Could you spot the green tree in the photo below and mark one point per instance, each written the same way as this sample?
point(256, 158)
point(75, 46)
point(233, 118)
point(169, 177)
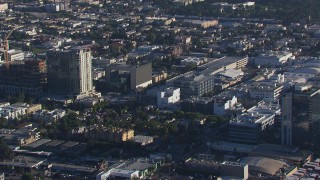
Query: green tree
point(3, 122)
point(27, 176)
point(151, 37)
point(5, 152)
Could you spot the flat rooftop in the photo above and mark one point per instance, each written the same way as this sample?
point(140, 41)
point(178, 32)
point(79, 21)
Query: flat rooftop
point(136, 164)
point(23, 161)
point(38, 143)
point(279, 151)
point(55, 143)
point(69, 144)
point(221, 62)
point(73, 168)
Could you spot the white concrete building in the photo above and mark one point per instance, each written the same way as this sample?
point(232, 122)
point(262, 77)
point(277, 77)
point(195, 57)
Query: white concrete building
point(220, 106)
point(265, 91)
point(48, 116)
point(131, 169)
point(303, 72)
point(143, 140)
point(15, 55)
point(3, 6)
point(193, 61)
point(14, 111)
point(168, 97)
point(273, 58)
point(247, 127)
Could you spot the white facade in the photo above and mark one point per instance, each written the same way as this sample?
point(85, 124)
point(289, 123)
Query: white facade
point(276, 58)
point(143, 140)
point(297, 75)
point(193, 61)
point(85, 60)
point(168, 97)
point(14, 111)
point(70, 72)
point(220, 107)
point(49, 116)
point(15, 55)
point(144, 85)
point(118, 173)
point(266, 92)
point(3, 6)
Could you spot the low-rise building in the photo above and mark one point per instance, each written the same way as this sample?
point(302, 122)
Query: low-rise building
point(14, 111)
point(291, 154)
point(3, 6)
point(273, 58)
point(247, 127)
point(220, 106)
point(33, 108)
point(309, 170)
point(195, 61)
point(203, 24)
point(266, 167)
point(15, 55)
point(132, 169)
point(48, 116)
point(168, 97)
point(265, 91)
point(229, 147)
point(24, 162)
point(89, 101)
point(227, 168)
point(157, 77)
point(143, 140)
point(102, 133)
point(20, 137)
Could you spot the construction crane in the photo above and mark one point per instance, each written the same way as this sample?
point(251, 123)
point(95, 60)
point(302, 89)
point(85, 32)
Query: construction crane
point(6, 47)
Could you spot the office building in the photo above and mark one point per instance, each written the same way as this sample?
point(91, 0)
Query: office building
point(125, 77)
point(248, 127)
point(203, 105)
point(265, 91)
point(306, 114)
point(193, 84)
point(24, 77)
point(202, 81)
point(222, 64)
point(231, 169)
point(273, 58)
point(286, 120)
point(70, 72)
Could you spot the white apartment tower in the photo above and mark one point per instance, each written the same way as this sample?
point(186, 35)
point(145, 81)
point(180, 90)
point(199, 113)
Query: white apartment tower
point(70, 72)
